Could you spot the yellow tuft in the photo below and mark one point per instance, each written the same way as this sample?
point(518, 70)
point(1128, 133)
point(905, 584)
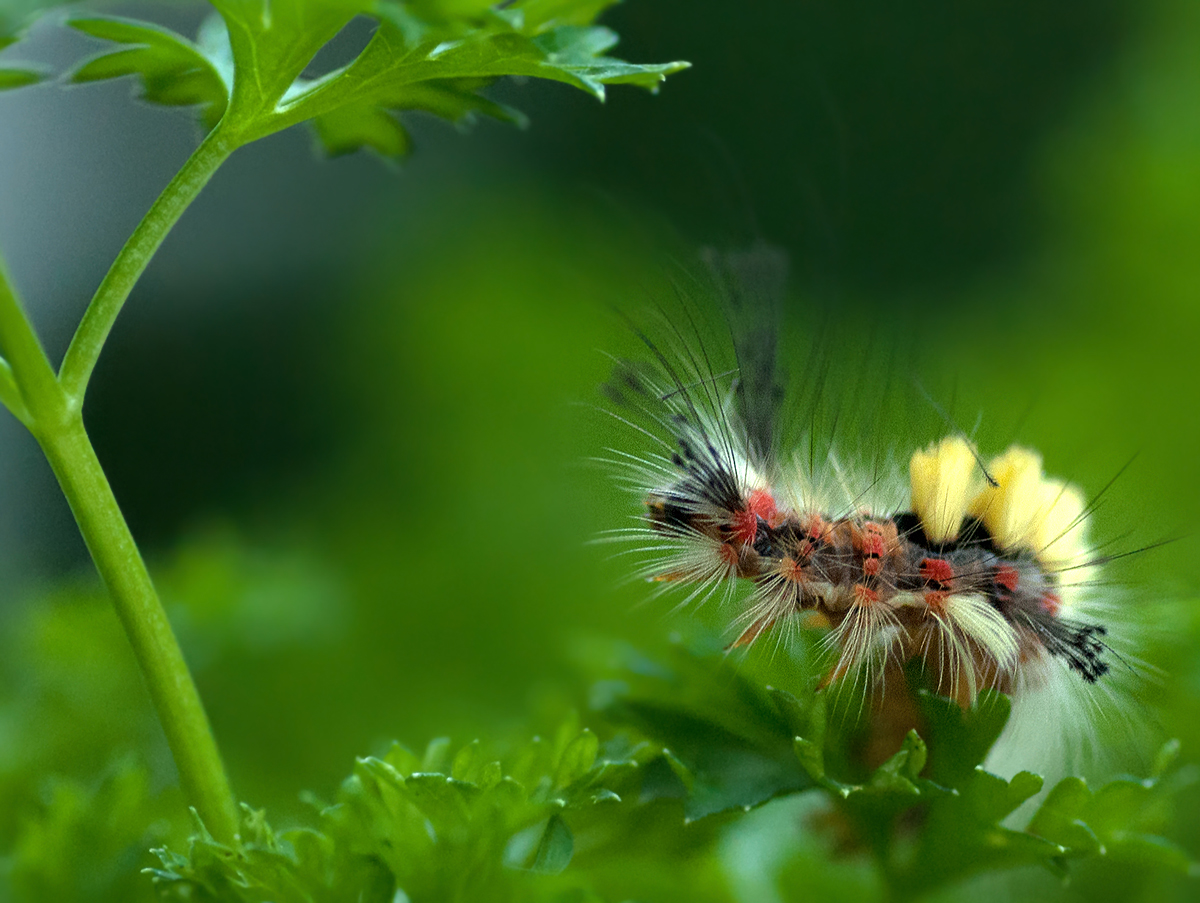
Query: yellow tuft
point(943, 477)
point(1024, 510)
point(1058, 537)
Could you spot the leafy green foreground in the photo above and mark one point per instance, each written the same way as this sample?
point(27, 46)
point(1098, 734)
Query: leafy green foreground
point(678, 755)
point(458, 825)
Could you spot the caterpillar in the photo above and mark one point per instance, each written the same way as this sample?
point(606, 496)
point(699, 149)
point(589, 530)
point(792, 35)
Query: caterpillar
point(978, 570)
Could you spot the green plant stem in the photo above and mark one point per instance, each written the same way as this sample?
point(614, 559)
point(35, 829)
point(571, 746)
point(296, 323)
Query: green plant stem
point(125, 271)
point(51, 406)
point(32, 374)
point(172, 689)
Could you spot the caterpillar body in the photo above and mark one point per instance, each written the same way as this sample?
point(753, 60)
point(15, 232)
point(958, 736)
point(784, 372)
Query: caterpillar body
point(979, 571)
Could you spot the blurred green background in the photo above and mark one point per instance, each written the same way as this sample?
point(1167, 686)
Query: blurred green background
point(348, 412)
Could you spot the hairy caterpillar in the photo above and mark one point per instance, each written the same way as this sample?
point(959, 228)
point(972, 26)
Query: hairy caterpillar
point(976, 569)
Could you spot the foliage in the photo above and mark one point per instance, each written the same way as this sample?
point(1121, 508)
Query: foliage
point(88, 839)
point(247, 67)
point(11, 21)
point(930, 814)
point(710, 746)
point(439, 826)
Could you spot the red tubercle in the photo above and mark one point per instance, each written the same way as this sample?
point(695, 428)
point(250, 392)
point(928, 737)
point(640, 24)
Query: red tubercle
point(1007, 577)
point(816, 532)
point(729, 555)
point(936, 599)
point(864, 595)
point(872, 540)
point(937, 570)
point(1051, 604)
point(791, 569)
point(815, 527)
point(744, 527)
point(761, 504)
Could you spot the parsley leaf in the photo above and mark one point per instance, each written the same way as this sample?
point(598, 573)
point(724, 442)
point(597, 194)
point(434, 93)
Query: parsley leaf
point(13, 16)
point(173, 70)
point(246, 69)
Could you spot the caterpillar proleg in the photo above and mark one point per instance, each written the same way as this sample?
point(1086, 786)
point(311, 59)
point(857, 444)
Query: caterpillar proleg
point(977, 568)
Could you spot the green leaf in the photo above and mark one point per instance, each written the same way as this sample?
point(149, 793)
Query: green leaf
point(535, 16)
point(468, 762)
point(993, 799)
point(401, 758)
point(894, 788)
point(18, 78)
point(790, 710)
point(681, 771)
point(82, 837)
point(15, 15)
point(530, 763)
point(1117, 805)
point(173, 71)
point(357, 126)
point(1166, 757)
point(730, 743)
point(810, 748)
point(1149, 851)
point(962, 834)
point(903, 767)
point(555, 848)
point(274, 40)
point(961, 737)
point(1115, 821)
point(811, 757)
point(447, 803)
point(437, 755)
point(1060, 817)
point(577, 759)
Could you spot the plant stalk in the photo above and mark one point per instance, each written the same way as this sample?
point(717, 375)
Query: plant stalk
point(51, 406)
point(135, 256)
point(176, 700)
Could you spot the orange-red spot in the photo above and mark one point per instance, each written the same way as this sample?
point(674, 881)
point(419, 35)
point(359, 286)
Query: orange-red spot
point(1051, 603)
point(937, 570)
point(872, 566)
point(745, 527)
point(790, 569)
point(872, 541)
point(762, 504)
point(815, 528)
point(864, 595)
point(936, 599)
point(1007, 577)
